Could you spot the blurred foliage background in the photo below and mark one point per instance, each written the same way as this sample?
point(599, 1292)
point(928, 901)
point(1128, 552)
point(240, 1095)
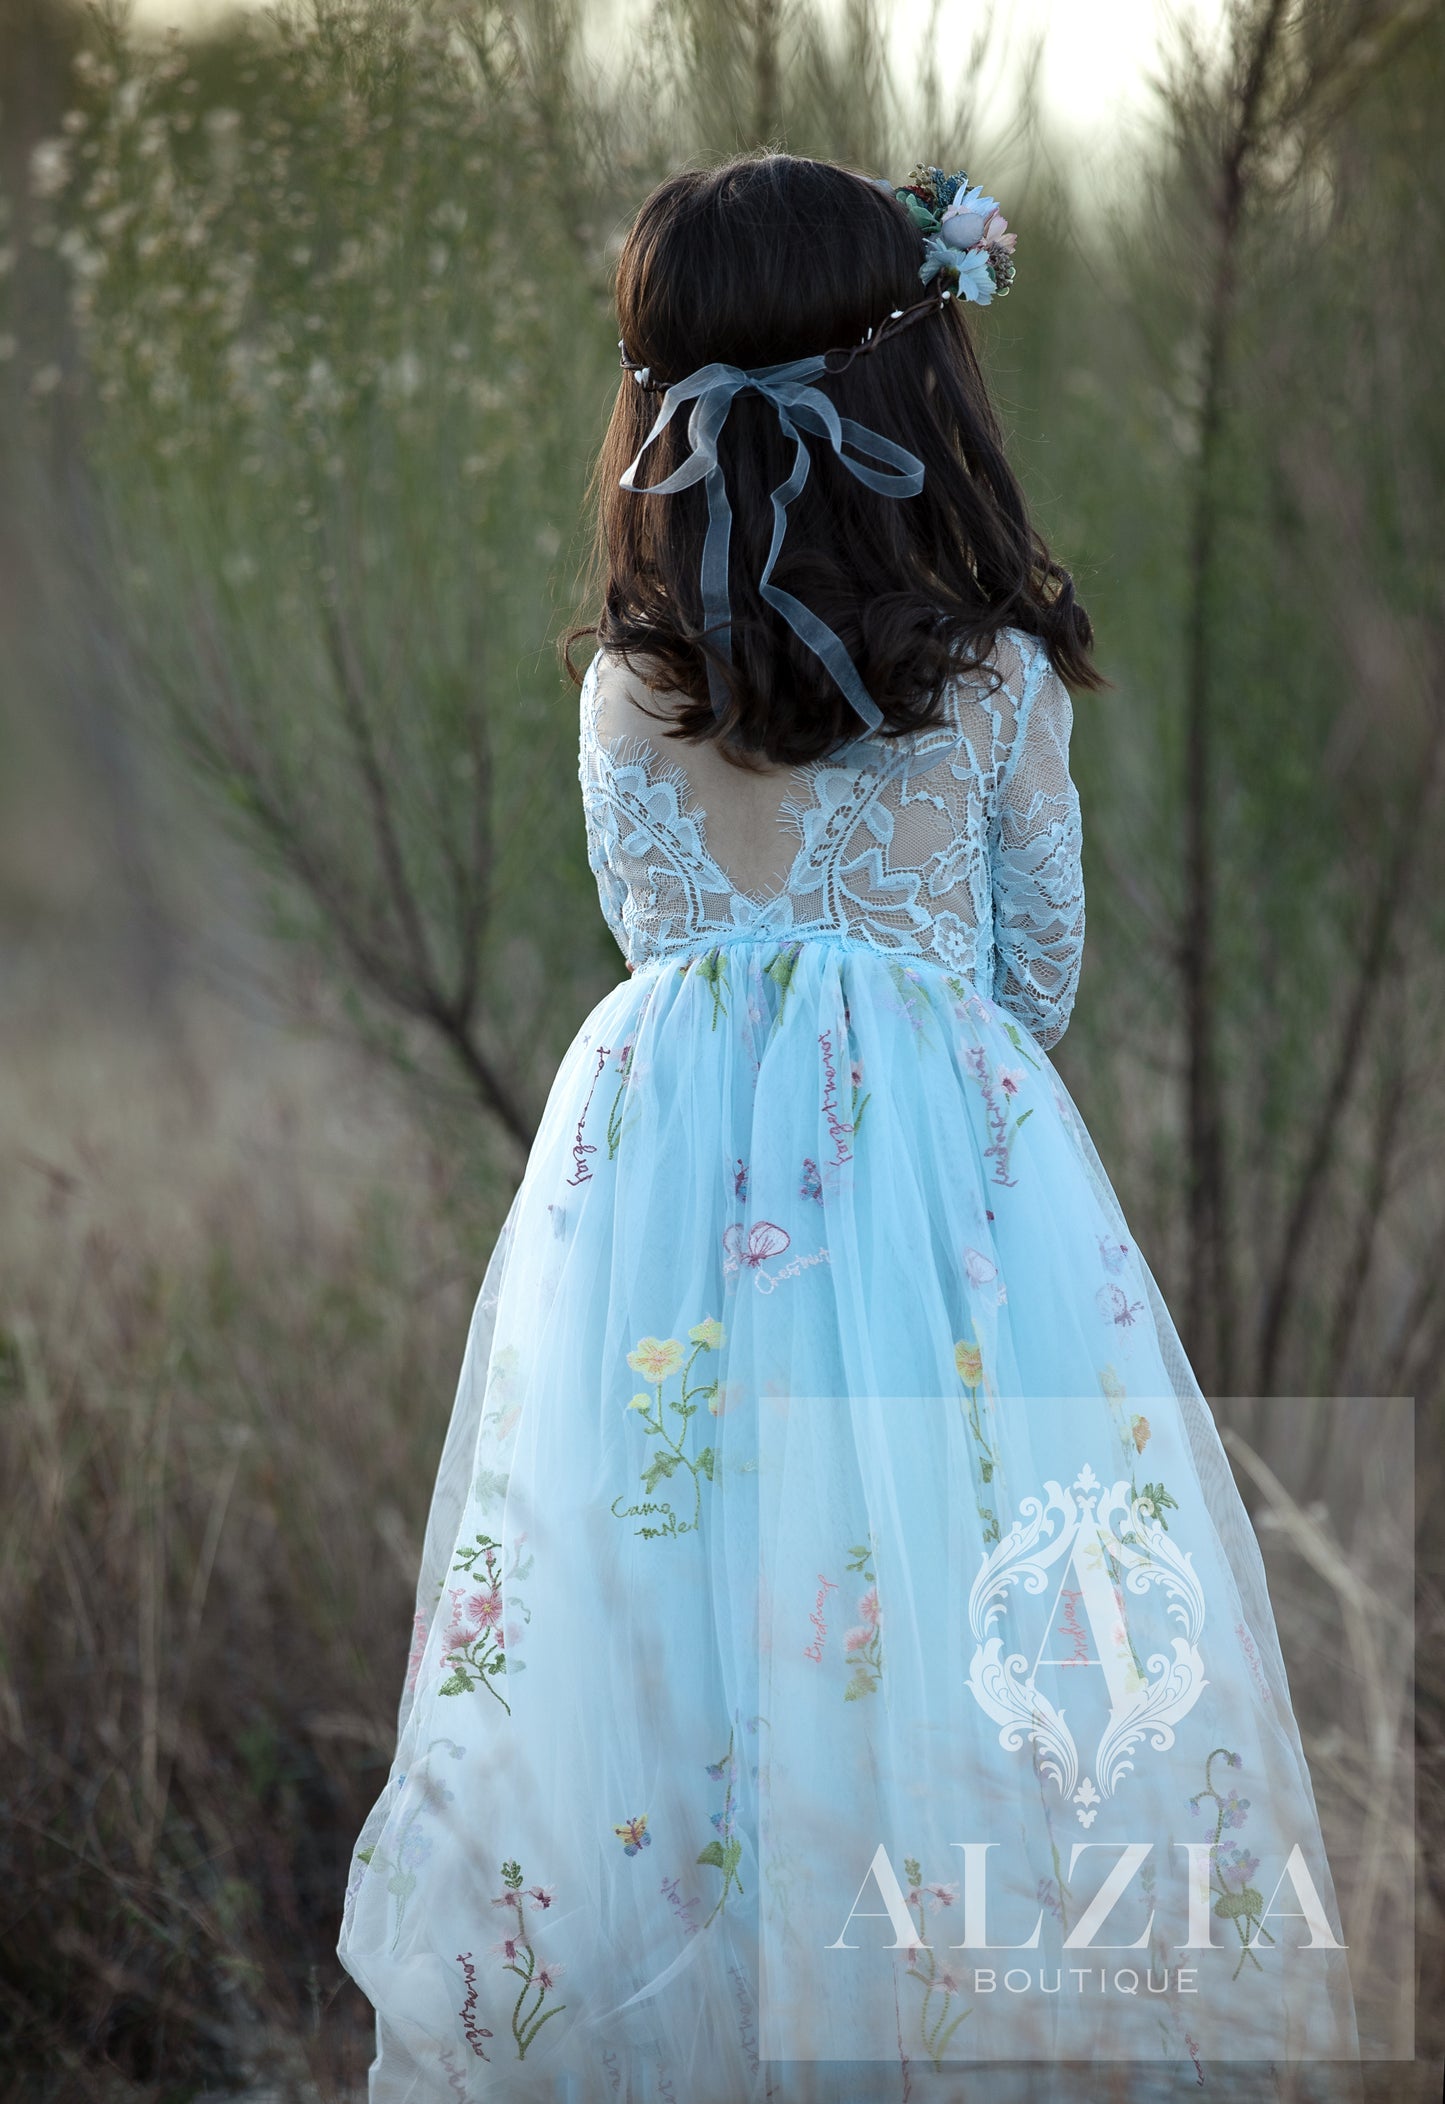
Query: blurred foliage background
point(305, 348)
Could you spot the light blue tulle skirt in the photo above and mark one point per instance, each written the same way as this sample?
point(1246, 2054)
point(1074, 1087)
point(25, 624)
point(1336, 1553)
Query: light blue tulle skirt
point(843, 1668)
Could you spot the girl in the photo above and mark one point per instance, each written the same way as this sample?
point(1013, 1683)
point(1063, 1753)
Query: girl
point(843, 1668)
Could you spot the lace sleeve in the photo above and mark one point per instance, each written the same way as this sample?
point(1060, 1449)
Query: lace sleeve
point(1038, 884)
point(599, 818)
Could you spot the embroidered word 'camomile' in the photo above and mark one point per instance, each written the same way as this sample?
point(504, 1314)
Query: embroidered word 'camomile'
point(965, 240)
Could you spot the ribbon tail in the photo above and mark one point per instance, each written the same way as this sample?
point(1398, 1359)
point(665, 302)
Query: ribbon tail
point(716, 604)
point(805, 624)
point(825, 644)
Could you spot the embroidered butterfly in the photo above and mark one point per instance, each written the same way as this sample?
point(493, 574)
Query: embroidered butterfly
point(1112, 1253)
point(1114, 1302)
point(812, 1183)
point(633, 1835)
point(762, 1240)
point(981, 1271)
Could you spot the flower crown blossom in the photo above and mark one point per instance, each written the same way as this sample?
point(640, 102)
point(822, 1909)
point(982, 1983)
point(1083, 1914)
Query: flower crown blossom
point(965, 236)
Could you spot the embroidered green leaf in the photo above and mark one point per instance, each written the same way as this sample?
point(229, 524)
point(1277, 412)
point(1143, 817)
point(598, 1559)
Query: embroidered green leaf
point(659, 1467)
point(1012, 1032)
point(1236, 1905)
point(1159, 1498)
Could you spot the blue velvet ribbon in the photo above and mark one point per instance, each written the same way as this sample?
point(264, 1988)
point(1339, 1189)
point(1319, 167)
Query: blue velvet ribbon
point(801, 408)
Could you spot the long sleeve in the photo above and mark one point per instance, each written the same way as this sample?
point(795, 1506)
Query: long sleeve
point(1035, 841)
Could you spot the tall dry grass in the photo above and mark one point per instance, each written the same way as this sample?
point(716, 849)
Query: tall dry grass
point(236, 1281)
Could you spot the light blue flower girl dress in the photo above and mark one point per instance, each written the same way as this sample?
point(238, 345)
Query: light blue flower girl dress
point(843, 1668)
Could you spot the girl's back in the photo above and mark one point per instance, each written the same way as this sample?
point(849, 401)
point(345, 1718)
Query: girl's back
point(958, 843)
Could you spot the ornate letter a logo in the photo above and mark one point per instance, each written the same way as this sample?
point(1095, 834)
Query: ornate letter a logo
point(1107, 1540)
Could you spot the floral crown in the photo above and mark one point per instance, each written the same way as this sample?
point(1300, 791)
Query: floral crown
point(968, 253)
point(965, 236)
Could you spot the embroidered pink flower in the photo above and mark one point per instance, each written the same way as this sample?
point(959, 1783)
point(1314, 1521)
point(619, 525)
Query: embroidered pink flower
point(857, 1639)
point(546, 1977)
point(868, 1607)
point(940, 1895)
point(541, 1896)
point(1010, 1080)
point(418, 1648)
point(472, 1619)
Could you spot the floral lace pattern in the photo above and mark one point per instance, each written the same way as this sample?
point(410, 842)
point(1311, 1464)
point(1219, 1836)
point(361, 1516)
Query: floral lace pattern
point(958, 845)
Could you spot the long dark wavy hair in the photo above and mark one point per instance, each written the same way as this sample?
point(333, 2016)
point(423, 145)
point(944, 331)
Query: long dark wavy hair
point(769, 257)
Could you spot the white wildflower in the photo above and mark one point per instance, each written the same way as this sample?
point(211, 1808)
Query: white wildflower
point(406, 375)
point(49, 167)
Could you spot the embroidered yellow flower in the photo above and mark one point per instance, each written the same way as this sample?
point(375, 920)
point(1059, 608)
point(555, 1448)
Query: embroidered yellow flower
point(641, 1401)
point(656, 1357)
point(1111, 1385)
point(968, 1358)
point(709, 1333)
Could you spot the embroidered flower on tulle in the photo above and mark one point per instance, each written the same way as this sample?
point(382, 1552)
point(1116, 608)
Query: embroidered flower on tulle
point(656, 1357)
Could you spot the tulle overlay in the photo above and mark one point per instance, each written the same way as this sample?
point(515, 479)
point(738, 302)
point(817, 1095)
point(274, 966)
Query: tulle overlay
point(835, 1597)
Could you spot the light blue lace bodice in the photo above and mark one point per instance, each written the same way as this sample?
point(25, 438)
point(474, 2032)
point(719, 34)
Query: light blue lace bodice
point(958, 845)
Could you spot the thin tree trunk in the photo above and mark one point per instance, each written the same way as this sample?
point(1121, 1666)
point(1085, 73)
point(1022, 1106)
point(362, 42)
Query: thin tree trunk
point(767, 103)
point(1211, 1304)
point(1374, 961)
